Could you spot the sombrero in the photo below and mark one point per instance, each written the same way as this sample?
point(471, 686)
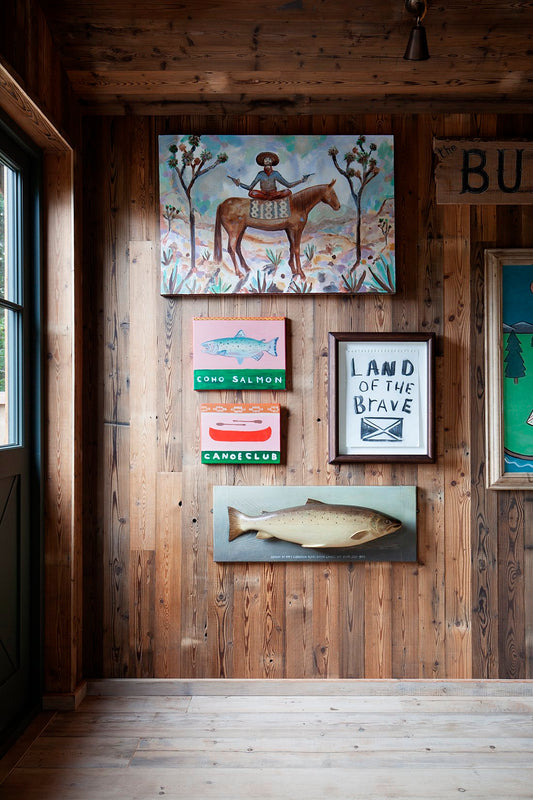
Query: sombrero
point(260, 158)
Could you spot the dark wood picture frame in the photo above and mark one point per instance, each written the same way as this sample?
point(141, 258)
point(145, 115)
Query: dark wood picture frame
point(393, 416)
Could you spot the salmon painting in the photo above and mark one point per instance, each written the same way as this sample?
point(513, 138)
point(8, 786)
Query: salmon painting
point(240, 347)
point(316, 524)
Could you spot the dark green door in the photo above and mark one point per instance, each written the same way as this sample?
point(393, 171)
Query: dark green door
point(19, 439)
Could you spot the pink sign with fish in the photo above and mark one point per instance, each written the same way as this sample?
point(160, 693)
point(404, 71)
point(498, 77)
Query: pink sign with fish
point(247, 433)
point(239, 353)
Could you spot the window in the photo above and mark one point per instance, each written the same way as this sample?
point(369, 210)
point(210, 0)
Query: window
point(11, 308)
point(20, 517)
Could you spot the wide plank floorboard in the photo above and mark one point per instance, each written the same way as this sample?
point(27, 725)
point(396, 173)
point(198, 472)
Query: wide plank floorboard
point(354, 745)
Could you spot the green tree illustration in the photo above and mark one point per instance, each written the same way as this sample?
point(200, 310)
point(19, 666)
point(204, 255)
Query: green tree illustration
point(358, 178)
point(190, 164)
point(514, 363)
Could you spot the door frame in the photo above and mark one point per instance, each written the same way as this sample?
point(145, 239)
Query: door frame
point(23, 457)
point(62, 394)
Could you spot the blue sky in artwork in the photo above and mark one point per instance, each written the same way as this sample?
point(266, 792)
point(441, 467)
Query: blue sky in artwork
point(298, 154)
point(517, 295)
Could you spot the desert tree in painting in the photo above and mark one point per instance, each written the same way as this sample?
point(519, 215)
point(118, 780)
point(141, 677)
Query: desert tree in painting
point(384, 224)
point(364, 173)
point(190, 164)
point(170, 213)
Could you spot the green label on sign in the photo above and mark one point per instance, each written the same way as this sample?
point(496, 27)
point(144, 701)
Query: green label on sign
point(239, 379)
point(240, 456)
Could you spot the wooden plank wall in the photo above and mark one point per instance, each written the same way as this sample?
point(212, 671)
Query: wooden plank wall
point(155, 603)
point(35, 96)
point(26, 47)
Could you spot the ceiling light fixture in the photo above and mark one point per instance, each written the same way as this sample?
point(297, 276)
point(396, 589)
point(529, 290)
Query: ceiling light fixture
point(417, 46)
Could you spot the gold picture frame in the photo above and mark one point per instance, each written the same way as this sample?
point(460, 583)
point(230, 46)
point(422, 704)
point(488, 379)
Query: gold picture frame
point(508, 285)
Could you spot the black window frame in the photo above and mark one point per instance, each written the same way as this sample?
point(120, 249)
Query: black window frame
point(20, 151)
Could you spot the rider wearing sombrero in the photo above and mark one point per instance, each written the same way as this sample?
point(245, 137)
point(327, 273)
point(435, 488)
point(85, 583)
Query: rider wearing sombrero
point(267, 179)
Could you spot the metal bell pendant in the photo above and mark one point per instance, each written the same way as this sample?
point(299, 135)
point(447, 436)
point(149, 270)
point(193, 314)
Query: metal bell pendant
point(417, 46)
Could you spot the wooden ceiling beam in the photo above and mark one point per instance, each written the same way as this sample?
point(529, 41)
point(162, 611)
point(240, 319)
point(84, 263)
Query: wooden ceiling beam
point(297, 106)
point(319, 53)
point(403, 79)
point(348, 55)
point(113, 11)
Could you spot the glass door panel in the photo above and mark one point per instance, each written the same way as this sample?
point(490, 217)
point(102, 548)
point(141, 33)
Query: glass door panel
point(10, 377)
point(19, 430)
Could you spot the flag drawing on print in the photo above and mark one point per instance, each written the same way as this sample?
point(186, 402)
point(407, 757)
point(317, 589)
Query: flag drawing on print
point(386, 429)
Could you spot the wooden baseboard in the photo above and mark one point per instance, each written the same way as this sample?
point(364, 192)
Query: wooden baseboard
point(139, 687)
point(65, 701)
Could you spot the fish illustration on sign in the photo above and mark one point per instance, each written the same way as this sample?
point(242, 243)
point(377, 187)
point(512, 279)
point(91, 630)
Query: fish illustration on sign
point(316, 524)
point(240, 347)
point(252, 358)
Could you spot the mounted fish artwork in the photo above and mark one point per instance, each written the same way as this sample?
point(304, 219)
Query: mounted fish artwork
point(276, 214)
point(239, 353)
point(314, 523)
point(240, 433)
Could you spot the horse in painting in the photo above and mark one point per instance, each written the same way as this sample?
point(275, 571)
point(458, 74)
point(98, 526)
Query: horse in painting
point(233, 215)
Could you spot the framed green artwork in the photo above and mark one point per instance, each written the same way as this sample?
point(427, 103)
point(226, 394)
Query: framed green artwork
point(509, 368)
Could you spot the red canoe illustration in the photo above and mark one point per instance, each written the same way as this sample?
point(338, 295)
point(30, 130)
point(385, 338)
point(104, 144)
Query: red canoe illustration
point(261, 435)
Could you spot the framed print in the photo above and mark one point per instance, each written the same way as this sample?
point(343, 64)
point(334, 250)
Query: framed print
point(314, 523)
point(509, 368)
point(381, 397)
point(239, 353)
point(274, 214)
point(240, 433)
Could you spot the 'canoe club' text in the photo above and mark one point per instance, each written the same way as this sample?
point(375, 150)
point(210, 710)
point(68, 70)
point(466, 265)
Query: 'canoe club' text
point(273, 457)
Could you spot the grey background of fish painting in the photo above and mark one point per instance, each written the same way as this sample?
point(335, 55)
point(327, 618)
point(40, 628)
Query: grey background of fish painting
point(396, 501)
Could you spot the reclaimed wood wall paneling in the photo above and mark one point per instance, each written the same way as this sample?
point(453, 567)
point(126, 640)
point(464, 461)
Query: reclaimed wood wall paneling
point(224, 606)
point(485, 663)
point(441, 617)
point(35, 99)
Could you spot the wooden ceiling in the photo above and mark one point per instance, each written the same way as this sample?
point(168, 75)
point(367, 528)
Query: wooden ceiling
point(300, 56)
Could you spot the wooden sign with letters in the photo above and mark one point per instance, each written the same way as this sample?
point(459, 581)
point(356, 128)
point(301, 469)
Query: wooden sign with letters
point(478, 171)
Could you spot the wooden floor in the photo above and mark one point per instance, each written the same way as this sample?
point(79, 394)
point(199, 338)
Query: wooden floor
point(296, 740)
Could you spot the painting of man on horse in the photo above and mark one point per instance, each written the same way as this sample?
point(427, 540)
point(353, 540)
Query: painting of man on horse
point(226, 232)
point(236, 214)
